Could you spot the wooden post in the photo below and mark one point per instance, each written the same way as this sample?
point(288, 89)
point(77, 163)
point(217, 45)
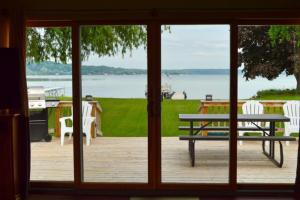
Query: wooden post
point(96, 112)
point(203, 110)
point(93, 129)
point(57, 123)
point(97, 115)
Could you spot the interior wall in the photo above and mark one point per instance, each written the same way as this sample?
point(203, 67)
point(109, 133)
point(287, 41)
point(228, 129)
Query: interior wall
point(4, 32)
point(150, 4)
point(160, 4)
point(12, 35)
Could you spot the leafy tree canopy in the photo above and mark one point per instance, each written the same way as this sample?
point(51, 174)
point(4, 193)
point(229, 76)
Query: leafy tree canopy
point(268, 51)
point(259, 56)
point(291, 35)
point(55, 43)
point(281, 34)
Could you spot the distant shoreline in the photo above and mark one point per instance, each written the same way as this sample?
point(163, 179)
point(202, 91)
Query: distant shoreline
point(52, 68)
point(64, 78)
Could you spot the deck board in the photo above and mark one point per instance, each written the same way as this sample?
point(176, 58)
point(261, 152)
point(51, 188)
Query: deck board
point(124, 159)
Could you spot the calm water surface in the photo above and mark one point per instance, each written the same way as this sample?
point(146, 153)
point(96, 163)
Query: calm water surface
point(134, 86)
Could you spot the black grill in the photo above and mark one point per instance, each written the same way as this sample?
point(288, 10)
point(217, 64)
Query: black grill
point(38, 114)
point(38, 124)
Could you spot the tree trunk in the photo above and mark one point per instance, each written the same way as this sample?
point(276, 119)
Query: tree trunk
point(297, 68)
point(297, 76)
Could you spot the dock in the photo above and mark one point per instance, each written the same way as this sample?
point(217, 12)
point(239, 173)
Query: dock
point(55, 91)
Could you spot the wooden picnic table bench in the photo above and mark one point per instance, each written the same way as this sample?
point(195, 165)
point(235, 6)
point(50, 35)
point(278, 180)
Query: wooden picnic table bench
point(268, 132)
point(222, 128)
point(193, 138)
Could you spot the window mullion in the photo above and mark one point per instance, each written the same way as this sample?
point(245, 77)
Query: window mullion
point(78, 153)
point(154, 84)
point(233, 106)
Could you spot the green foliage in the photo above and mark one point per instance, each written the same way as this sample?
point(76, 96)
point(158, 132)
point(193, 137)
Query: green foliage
point(108, 40)
point(277, 92)
point(291, 36)
point(271, 94)
point(280, 34)
point(260, 57)
point(45, 43)
point(55, 43)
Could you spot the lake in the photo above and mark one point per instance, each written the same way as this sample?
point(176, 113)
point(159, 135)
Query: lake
point(134, 86)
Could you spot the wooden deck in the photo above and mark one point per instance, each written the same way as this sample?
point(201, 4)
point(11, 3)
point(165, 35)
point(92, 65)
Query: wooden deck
point(124, 159)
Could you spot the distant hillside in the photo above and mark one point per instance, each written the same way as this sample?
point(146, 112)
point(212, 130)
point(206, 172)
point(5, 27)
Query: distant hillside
point(196, 71)
point(52, 68)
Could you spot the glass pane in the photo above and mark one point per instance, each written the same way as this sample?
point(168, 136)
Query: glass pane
point(49, 81)
point(114, 103)
point(195, 80)
point(268, 88)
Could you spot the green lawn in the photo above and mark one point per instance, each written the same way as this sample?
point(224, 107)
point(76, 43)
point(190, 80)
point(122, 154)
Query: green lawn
point(169, 115)
point(128, 117)
point(123, 117)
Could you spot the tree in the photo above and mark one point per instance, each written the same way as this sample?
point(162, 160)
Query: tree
point(55, 43)
point(267, 51)
point(291, 35)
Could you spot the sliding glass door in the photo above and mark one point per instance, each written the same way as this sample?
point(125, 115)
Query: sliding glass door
point(49, 81)
point(161, 106)
point(195, 80)
point(114, 103)
point(268, 86)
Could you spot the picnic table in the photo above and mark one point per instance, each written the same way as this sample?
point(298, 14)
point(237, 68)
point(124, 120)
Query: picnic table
point(207, 119)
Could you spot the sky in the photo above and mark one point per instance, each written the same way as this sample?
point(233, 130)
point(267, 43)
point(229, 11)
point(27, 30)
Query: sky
point(185, 47)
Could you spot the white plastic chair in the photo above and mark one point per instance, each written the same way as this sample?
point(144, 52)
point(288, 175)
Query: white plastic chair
point(252, 107)
point(87, 121)
point(291, 110)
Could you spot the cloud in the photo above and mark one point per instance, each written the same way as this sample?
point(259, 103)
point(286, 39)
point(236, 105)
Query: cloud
point(210, 54)
point(170, 40)
point(212, 44)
